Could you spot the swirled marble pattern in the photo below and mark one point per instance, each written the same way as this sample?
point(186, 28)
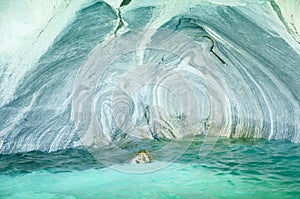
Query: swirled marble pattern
point(120, 71)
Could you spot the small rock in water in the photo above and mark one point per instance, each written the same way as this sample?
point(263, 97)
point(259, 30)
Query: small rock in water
point(142, 156)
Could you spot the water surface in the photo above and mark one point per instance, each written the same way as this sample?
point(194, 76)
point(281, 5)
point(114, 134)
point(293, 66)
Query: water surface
point(233, 169)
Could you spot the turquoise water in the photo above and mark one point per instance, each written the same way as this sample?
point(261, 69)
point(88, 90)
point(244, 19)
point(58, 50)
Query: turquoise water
point(233, 169)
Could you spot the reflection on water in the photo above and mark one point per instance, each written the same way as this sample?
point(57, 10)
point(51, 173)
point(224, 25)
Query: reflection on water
point(234, 168)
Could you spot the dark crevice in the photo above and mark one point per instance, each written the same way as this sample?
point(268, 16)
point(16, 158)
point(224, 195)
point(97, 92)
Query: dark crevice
point(147, 118)
point(172, 134)
point(66, 6)
point(121, 22)
point(169, 128)
point(199, 27)
point(125, 3)
point(212, 50)
point(48, 22)
point(179, 23)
